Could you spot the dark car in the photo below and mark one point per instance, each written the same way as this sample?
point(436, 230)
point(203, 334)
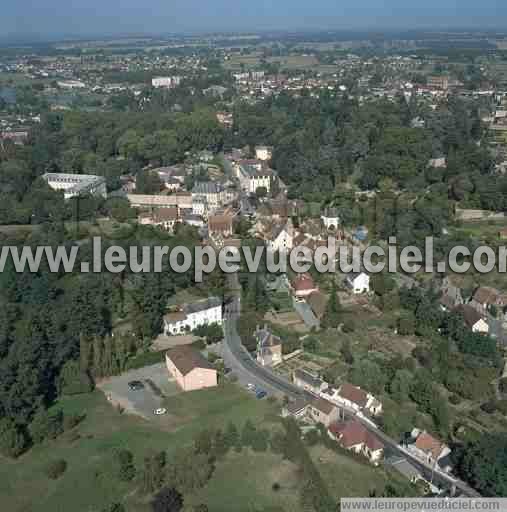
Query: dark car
point(135, 385)
point(260, 394)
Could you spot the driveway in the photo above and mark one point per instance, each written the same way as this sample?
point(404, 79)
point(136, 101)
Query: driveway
point(157, 385)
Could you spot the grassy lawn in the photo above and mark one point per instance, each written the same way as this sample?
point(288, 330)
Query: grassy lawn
point(87, 484)
point(243, 481)
point(348, 478)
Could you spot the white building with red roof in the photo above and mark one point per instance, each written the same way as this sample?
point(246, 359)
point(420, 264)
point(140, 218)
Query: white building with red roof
point(353, 436)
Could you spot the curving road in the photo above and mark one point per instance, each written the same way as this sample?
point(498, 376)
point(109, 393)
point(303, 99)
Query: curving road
point(239, 360)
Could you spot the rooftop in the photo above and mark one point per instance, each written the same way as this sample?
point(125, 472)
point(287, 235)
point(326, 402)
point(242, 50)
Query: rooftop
point(353, 394)
point(186, 359)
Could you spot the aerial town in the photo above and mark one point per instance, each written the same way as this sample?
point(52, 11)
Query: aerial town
point(265, 392)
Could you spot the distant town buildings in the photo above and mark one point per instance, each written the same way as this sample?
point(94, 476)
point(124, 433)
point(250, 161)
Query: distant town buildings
point(166, 82)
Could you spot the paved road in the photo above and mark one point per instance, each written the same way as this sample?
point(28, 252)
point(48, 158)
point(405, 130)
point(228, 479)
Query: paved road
point(237, 358)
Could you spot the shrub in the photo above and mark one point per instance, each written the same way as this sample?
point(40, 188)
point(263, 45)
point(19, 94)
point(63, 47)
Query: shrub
point(12, 439)
point(455, 399)
point(56, 468)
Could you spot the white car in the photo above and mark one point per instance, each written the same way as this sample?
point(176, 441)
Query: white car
point(160, 411)
point(250, 386)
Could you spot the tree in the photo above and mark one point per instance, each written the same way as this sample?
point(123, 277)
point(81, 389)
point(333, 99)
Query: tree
point(331, 318)
point(114, 507)
point(248, 433)
point(153, 473)
point(406, 323)
point(382, 284)
point(73, 380)
point(46, 425)
point(203, 443)
point(12, 439)
point(346, 351)
point(231, 435)
point(167, 499)
point(220, 446)
point(484, 464)
point(124, 461)
point(400, 385)
point(369, 375)
point(56, 468)
point(189, 471)
point(261, 192)
point(260, 441)
point(212, 332)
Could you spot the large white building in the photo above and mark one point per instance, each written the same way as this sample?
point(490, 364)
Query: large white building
point(212, 194)
point(191, 316)
point(76, 184)
point(166, 82)
point(358, 282)
point(252, 177)
point(263, 153)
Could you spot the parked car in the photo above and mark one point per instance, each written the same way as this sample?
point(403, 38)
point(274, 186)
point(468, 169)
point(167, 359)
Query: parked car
point(260, 394)
point(135, 385)
point(160, 411)
point(250, 386)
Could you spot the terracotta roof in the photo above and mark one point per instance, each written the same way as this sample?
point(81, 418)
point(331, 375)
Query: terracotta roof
point(486, 295)
point(324, 406)
point(470, 315)
point(186, 359)
point(174, 317)
point(303, 282)
point(351, 433)
point(220, 222)
point(429, 444)
point(166, 214)
point(353, 394)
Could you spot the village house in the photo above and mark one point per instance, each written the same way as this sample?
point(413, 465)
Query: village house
point(357, 399)
point(358, 282)
point(353, 436)
point(281, 237)
point(451, 295)
point(430, 450)
point(308, 382)
point(263, 153)
point(485, 297)
point(473, 319)
point(191, 316)
point(165, 218)
point(330, 218)
point(221, 223)
point(213, 193)
point(323, 411)
point(303, 285)
point(253, 176)
point(190, 369)
point(296, 409)
point(269, 347)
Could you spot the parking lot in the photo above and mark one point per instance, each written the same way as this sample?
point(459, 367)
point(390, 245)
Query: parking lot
point(157, 384)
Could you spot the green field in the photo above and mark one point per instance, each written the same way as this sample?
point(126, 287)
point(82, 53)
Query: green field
point(244, 482)
point(347, 477)
point(87, 484)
